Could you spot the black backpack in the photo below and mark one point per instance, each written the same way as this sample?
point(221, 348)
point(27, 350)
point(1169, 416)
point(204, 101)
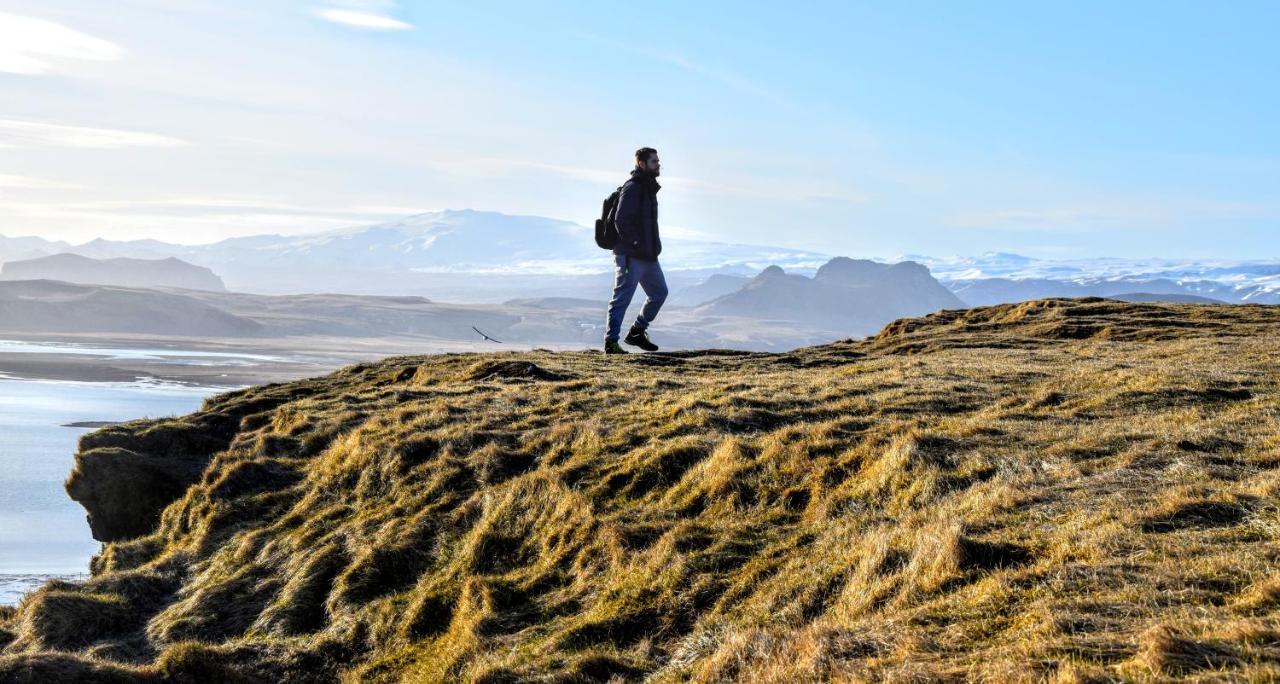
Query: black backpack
point(606, 225)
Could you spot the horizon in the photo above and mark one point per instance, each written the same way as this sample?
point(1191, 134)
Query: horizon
point(876, 131)
point(677, 238)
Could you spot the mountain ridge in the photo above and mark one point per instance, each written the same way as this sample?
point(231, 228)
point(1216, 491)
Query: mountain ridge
point(169, 272)
point(854, 295)
point(554, 261)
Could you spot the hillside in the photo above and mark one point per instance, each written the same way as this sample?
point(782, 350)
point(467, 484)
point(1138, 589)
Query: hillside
point(123, 272)
point(35, 307)
point(50, 306)
point(1065, 490)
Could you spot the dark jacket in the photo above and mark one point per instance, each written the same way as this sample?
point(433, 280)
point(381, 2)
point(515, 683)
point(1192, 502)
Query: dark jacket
point(637, 217)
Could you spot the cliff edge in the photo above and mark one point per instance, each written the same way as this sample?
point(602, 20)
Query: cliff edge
point(1067, 490)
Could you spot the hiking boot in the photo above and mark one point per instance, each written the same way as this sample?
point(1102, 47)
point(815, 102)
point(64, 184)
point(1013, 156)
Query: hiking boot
point(612, 347)
point(640, 338)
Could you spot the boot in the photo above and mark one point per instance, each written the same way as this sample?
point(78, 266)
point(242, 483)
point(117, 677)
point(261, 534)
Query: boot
point(612, 347)
point(640, 338)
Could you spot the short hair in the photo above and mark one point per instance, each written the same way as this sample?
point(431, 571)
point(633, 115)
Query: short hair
point(643, 154)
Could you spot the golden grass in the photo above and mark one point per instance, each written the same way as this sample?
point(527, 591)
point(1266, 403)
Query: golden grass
point(1066, 491)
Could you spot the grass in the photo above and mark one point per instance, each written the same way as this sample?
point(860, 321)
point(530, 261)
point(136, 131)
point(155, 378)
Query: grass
point(1061, 490)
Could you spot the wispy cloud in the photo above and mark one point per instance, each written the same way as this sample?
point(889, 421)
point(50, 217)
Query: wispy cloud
point(374, 15)
point(207, 208)
point(679, 61)
point(29, 45)
point(191, 219)
point(792, 189)
point(502, 167)
point(1091, 217)
point(18, 133)
point(29, 183)
point(789, 190)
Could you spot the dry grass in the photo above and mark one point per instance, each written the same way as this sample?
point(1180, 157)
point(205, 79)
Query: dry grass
point(1065, 491)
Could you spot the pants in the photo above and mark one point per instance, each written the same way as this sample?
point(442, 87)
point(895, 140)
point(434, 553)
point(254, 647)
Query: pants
point(630, 272)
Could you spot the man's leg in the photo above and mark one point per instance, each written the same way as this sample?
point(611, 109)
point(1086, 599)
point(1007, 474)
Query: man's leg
point(624, 287)
point(655, 290)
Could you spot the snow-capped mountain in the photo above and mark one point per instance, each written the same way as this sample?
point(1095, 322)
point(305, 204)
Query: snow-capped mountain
point(472, 255)
point(1253, 281)
point(420, 252)
point(1016, 266)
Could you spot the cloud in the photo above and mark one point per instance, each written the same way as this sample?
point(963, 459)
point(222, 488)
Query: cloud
point(29, 183)
point(31, 46)
point(213, 209)
point(789, 190)
point(373, 15)
point(727, 78)
point(192, 219)
point(1093, 217)
point(504, 167)
point(17, 133)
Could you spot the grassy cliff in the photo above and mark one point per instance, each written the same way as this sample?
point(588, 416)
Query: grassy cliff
point(1063, 490)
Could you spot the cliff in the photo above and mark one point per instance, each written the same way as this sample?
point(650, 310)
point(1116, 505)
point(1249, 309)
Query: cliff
point(1067, 490)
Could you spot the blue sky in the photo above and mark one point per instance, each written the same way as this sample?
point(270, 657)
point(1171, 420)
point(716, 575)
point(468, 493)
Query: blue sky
point(867, 129)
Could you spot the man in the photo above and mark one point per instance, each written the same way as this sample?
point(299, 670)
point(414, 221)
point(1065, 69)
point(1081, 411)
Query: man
point(636, 255)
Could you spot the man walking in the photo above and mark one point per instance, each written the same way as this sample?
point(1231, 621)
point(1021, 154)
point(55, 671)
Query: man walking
point(635, 256)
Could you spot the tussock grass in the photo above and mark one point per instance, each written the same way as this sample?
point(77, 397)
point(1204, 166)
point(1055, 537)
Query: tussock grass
point(1061, 490)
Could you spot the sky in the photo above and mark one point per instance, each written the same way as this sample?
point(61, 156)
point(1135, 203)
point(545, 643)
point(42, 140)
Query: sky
point(1056, 130)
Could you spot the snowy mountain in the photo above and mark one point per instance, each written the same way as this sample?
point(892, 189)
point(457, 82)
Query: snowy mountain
point(1001, 277)
point(427, 252)
point(487, 256)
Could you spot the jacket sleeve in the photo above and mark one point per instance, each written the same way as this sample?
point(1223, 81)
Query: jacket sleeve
point(628, 216)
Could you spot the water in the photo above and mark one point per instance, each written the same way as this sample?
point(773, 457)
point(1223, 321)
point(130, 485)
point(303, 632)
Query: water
point(178, 356)
point(43, 533)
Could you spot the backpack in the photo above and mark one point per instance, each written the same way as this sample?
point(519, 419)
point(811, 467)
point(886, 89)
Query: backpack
point(606, 225)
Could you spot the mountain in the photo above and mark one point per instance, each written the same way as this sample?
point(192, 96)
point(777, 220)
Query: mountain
point(1001, 277)
point(1059, 490)
point(489, 257)
point(42, 306)
point(1019, 267)
point(461, 255)
point(18, 248)
point(101, 248)
point(849, 296)
point(716, 285)
point(122, 271)
point(46, 306)
point(989, 291)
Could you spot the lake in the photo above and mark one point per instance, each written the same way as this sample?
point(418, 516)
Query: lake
point(43, 533)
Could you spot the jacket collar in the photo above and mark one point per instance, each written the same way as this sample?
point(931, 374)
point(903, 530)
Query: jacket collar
point(644, 177)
